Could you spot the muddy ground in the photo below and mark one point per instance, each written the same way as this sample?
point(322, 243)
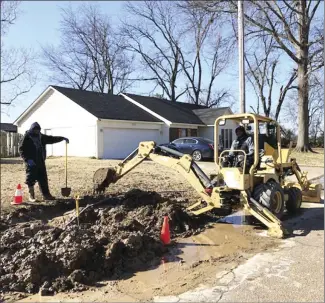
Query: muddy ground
point(41, 252)
point(121, 236)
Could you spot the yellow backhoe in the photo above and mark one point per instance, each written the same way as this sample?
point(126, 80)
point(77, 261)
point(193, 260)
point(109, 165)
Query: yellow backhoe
point(261, 186)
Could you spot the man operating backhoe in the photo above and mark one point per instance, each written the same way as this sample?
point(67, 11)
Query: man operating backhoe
point(244, 143)
point(32, 149)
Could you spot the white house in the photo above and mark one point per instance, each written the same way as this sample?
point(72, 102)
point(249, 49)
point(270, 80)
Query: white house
point(111, 126)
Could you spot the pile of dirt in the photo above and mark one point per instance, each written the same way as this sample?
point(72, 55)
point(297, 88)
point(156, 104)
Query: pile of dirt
point(112, 240)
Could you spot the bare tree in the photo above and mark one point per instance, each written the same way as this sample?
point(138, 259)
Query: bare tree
point(290, 23)
point(154, 36)
point(208, 54)
point(18, 71)
point(9, 12)
point(91, 54)
point(69, 67)
point(315, 105)
point(298, 33)
point(263, 65)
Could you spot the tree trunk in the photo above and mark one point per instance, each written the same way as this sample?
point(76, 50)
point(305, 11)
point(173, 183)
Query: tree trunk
point(303, 139)
point(303, 114)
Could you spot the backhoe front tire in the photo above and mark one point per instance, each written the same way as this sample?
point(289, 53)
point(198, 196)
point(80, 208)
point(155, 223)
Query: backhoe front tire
point(294, 200)
point(271, 196)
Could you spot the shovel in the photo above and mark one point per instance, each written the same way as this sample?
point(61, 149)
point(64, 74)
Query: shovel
point(66, 191)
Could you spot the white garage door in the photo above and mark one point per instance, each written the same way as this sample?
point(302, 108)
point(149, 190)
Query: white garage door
point(119, 143)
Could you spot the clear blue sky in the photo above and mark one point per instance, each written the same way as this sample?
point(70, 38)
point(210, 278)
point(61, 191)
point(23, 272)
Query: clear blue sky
point(38, 24)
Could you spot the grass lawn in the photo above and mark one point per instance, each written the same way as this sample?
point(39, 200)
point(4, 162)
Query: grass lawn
point(310, 159)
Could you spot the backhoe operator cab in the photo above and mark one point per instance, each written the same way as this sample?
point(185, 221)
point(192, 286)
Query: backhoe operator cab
point(238, 169)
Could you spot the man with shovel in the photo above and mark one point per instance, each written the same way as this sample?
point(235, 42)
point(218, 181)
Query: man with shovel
point(32, 149)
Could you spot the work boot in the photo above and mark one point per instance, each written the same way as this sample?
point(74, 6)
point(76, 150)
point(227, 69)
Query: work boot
point(31, 194)
point(48, 197)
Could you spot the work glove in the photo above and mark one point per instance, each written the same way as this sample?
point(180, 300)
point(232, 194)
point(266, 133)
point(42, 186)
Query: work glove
point(30, 163)
point(66, 140)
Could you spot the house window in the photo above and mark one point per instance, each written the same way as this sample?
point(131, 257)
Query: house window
point(182, 132)
point(193, 132)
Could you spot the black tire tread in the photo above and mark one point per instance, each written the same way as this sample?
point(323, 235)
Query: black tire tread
point(263, 194)
point(294, 200)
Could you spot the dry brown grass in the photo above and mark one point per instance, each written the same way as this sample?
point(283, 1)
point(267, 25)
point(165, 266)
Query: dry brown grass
point(147, 176)
point(310, 159)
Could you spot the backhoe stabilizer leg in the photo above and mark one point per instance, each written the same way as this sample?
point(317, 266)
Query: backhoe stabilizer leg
point(201, 210)
point(274, 225)
point(194, 205)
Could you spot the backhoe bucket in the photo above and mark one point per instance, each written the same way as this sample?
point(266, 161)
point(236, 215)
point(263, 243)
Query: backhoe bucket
point(103, 177)
point(312, 193)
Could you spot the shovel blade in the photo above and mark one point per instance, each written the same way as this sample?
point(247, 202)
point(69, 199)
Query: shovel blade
point(66, 191)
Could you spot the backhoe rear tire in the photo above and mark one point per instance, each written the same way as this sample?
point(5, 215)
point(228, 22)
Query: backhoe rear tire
point(294, 200)
point(271, 196)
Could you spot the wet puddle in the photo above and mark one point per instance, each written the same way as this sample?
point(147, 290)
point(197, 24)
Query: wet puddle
point(191, 260)
point(237, 219)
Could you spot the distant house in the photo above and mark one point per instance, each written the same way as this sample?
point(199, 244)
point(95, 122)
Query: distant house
point(8, 127)
point(111, 126)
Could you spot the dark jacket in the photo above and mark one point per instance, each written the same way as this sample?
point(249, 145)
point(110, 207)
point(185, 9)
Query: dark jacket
point(27, 148)
point(244, 143)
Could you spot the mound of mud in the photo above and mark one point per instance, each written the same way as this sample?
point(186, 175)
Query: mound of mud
point(118, 238)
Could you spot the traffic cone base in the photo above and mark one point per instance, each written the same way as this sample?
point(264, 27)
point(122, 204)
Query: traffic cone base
point(165, 232)
point(18, 198)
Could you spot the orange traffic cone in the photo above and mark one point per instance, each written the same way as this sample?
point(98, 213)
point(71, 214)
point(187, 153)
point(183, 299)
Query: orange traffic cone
point(165, 233)
point(18, 199)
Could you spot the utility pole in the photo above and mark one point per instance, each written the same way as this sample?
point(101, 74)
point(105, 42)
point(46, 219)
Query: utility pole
point(242, 101)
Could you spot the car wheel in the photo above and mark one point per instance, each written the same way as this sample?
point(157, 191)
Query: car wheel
point(197, 155)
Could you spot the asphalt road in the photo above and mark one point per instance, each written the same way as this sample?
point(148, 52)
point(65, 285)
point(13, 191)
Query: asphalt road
point(295, 273)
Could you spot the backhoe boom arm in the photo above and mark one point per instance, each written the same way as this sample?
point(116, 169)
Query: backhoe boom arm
point(184, 164)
